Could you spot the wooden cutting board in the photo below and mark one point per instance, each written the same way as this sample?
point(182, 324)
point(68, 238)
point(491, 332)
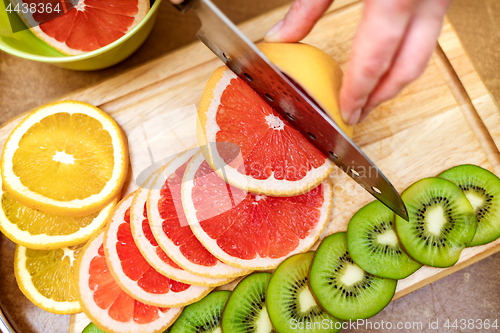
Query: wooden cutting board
point(428, 128)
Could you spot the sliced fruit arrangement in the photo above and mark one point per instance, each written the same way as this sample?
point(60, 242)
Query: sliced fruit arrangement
point(67, 158)
point(46, 278)
point(134, 274)
point(374, 246)
point(442, 222)
point(290, 302)
point(246, 309)
point(342, 288)
point(171, 229)
point(273, 228)
point(87, 26)
point(482, 189)
point(37, 230)
point(153, 253)
point(202, 316)
point(106, 304)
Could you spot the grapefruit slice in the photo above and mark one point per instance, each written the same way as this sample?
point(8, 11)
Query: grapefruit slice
point(89, 25)
point(247, 230)
point(152, 252)
point(171, 230)
point(274, 159)
point(106, 304)
point(134, 274)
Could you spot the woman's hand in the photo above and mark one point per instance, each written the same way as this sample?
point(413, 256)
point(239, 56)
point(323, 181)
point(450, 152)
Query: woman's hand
point(392, 47)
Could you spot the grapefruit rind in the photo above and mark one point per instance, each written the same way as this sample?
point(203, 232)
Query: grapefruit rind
point(50, 242)
point(207, 112)
point(29, 290)
point(170, 299)
point(218, 271)
point(257, 263)
point(316, 71)
point(149, 251)
point(99, 316)
point(76, 207)
point(142, 10)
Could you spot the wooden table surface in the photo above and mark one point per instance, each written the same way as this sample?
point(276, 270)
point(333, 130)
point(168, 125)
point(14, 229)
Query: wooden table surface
point(472, 293)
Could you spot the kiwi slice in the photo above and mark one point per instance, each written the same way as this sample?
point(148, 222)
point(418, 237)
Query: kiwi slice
point(374, 246)
point(441, 222)
point(202, 316)
point(482, 189)
point(290, 303)
point(246, 310)
point(91, 328)
point(342, 288)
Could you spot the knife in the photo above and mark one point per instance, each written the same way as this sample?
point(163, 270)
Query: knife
point(241, 55)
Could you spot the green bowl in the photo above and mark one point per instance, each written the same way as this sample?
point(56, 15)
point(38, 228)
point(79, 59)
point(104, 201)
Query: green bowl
point(25, 44)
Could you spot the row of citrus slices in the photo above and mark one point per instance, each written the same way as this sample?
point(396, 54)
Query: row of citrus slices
point(62, 170)
point(184, 232)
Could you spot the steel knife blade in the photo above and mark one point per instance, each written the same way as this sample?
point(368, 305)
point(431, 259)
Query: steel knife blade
point(241, 55)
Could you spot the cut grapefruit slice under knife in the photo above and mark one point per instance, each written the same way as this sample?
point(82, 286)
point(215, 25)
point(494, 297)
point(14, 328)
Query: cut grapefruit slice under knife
point(106, 304)
point(274, 158)
point(247, 230)
point(152, 252)
point(171, 229)
point(134, 274)
point(88, 26)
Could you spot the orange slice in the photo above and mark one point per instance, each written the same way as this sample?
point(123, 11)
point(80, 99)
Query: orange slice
point(41, 231)
point(171, 229)
point(247, 230)
point(106, 304)
point(46, 278)
point(134, 274)
point(67, 158)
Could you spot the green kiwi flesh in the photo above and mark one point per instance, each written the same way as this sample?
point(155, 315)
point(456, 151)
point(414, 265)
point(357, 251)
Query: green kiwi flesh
point(441, 222)
point(374, 246)
point(290, 303)
point(91, 328)
point(202, 316)
point(342, 288)
point(246, 310)
point(482, 189)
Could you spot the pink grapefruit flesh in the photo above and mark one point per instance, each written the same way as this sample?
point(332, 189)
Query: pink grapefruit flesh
point(89, 25)
point(248, 230)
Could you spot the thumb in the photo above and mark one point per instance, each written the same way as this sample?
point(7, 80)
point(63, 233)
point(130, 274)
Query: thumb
point(299, 21)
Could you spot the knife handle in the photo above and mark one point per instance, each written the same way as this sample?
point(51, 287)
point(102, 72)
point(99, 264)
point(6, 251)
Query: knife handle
point(185, 5)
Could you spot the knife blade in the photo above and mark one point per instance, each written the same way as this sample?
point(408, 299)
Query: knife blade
point(241, 55)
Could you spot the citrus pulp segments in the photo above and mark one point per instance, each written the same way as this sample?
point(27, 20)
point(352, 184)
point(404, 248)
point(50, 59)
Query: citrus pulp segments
point(177, 225)
point(146, 285)
point(43, 241)
point(61, 31)
point(282, 136)
point(153, 253)
point(26, 285)
point(231, 214)
point(95, 282)
point(75, 207)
